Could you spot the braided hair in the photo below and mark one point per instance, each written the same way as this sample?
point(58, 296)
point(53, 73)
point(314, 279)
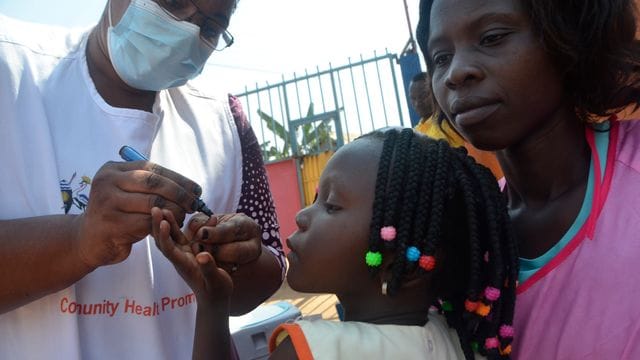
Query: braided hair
point(449, 218)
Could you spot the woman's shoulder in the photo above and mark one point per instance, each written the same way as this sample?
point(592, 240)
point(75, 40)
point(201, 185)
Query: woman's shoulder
point(628, 147)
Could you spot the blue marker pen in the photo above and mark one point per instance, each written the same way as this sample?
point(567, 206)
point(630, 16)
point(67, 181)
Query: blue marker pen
point(128, 153)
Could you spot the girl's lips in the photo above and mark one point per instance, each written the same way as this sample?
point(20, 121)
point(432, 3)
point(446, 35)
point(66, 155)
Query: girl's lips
point(288, 242)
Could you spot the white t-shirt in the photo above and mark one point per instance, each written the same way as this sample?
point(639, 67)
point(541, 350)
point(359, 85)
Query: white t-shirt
point(55, 133)
point(329, 340)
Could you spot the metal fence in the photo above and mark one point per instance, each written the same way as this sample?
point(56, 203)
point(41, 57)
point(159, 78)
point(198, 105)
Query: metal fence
point(320, 111)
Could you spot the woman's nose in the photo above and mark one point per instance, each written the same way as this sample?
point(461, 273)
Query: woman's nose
point(463, 70)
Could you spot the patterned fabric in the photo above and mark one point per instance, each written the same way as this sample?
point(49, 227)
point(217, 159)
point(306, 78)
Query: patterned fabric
point(255, 200)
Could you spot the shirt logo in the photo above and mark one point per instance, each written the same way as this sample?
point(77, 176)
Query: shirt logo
point(75, 196)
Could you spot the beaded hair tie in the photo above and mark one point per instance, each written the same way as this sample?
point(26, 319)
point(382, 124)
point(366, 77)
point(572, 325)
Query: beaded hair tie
point(388, 233)
point(373, 258)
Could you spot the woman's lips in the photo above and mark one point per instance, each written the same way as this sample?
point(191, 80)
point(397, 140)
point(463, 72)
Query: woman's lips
point(475, 115)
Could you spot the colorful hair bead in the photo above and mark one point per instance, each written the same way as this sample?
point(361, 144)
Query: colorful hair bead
point(475, 346)
point(506, 331)
point(446, 306)
point(388, 233)
point(413, 254)
point(427, 262)
point(491, 343)
point(373, 259)
point(486, 256)
point(491, 293)
point(483, 310)
point(471, 306)
point(506, 350)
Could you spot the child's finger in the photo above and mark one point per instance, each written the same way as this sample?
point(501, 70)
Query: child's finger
point(175, 231)
point(216, 279)
point(165, 242)
point(208, 267)
point(156, 217)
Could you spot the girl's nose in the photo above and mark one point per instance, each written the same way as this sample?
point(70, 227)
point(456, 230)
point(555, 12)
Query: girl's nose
point(302, 219)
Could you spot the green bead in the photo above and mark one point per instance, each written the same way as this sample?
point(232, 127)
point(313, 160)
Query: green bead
point(373, 259)
point(474, 346)
point(446, 306)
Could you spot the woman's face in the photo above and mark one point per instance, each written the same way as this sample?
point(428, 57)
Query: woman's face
point(490, 74)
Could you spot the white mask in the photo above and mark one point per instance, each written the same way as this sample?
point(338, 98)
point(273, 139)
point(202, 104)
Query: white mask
point(150, 50)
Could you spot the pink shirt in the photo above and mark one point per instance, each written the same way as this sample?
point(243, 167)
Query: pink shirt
point(585, 303)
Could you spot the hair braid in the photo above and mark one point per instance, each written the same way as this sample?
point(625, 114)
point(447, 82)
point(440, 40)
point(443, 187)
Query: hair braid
point(379, 202)
point(406, 221)
point(444, 203)
point(440, 184)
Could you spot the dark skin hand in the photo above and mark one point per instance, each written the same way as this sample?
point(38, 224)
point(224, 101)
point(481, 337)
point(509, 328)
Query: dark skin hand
point(211, 285)
point(118, 94)
point(117, 216)
point(224, 262)
point(235, 242)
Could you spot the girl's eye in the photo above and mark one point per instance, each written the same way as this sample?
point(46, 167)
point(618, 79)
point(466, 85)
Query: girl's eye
point(331, 208)
point(493, 39)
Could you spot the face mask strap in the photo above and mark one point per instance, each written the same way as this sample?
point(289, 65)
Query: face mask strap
point(109, 12)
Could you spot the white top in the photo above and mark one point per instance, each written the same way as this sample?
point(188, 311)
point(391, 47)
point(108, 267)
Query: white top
point(55, 133)
point(324, 339)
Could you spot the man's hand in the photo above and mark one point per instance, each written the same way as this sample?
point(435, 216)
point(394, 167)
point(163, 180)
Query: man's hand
point(119, 209)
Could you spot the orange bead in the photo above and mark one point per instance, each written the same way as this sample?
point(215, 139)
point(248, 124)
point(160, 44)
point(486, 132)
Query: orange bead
point(506, 350)
point(483, 310)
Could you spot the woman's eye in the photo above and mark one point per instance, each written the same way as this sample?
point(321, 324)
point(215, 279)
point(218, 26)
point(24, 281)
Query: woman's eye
point(492, 39)
point(441, 59)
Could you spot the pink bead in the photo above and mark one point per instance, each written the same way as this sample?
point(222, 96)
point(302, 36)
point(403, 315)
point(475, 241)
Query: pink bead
point(491, 343)
point(388, 233)
point(491, 293)
point(506, 331)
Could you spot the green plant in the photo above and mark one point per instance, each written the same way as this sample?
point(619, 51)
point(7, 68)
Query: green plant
point(310, 139)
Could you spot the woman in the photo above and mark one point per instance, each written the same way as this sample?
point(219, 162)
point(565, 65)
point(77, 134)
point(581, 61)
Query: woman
point(528, 79)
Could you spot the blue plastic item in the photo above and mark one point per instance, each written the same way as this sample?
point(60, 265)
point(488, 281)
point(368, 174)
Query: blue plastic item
point(251, 332)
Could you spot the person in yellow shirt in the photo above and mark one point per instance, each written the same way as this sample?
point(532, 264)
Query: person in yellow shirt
point(421, 102)
point(420, 95)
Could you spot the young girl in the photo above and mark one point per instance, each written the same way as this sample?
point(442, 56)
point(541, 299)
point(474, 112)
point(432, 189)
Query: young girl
point(402, 225)
point(528, 79)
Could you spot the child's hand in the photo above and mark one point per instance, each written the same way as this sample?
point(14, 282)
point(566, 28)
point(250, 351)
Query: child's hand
point(209, 283)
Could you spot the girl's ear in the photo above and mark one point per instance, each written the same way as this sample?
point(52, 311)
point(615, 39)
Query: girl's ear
point(415, 279)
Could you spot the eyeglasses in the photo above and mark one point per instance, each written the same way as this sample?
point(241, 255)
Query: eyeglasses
point(211, 32)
